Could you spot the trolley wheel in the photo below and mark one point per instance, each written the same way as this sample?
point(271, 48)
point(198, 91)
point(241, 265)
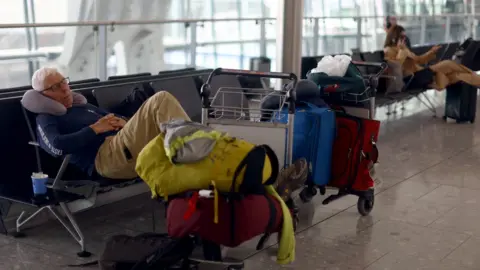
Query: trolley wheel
point(307, 194)
point(84, 254)
point(365, 205)
point(444, 118)
point(472, 120)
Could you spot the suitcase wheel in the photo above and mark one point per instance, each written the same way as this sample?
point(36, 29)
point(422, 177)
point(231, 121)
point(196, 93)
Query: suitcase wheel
point(365, 205)
point(444, 118)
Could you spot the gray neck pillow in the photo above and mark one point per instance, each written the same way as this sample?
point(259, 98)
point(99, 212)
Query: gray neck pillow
point(37, 103)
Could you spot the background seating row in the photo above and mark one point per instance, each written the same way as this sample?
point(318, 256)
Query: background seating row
point(471, 59)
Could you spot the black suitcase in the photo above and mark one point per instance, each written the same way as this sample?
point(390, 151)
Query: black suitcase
point(461, 102)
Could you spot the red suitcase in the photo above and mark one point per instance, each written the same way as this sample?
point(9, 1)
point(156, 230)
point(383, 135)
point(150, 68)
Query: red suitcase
point(354, 154)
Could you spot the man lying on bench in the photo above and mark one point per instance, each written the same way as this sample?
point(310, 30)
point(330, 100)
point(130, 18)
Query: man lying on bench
point(97, 140)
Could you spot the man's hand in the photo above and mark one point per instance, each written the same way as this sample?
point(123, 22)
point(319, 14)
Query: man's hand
point(103, 124)
point(117, 122)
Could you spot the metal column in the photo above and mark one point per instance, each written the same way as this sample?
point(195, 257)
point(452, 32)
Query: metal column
point(101, 45)
point(263, 31)
point(423, 30)
point(289, 36)
point(448, 25)
point(102, 52)
point(34, 36)
point(28, 33)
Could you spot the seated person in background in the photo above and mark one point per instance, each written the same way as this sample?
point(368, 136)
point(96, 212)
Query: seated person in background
point(390, 22)
point(446, 72)
point(99, 142)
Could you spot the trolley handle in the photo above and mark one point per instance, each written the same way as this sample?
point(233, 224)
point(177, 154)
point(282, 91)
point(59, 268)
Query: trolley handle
point(291, 93)
point(251, 73)
point(380, 65)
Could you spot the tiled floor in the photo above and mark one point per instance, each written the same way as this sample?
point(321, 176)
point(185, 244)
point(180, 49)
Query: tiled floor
point(426, 215)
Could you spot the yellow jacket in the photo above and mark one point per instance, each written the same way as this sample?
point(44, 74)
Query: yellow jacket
point(165, 178)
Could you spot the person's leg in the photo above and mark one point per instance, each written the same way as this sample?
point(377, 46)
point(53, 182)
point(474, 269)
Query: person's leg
point(449, 72)
point(117, 156)
point(441, 81)
point(449, 66)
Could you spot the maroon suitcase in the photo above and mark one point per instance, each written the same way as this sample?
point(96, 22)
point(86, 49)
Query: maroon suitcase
point(253, 215)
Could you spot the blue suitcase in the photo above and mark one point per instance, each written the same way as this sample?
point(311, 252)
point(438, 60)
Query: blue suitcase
point(313, 136)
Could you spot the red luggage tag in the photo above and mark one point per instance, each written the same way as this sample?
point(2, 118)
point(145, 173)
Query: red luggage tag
point(192, 206)
point(331, 88)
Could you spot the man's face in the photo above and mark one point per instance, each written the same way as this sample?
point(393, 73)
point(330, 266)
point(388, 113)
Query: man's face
point(56, 87)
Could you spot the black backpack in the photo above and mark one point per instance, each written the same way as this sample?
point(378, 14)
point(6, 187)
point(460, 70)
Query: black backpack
point(130, 105)
point(147, 251)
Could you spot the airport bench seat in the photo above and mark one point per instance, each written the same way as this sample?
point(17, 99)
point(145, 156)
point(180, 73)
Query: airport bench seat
point(384, 97)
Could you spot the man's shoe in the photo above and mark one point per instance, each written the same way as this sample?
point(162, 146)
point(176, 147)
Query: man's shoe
point(292, 178)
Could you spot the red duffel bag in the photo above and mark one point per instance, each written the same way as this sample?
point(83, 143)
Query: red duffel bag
point(253, 215)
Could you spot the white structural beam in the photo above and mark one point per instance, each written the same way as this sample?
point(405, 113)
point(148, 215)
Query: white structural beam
point(87, 49)
point(289, 36)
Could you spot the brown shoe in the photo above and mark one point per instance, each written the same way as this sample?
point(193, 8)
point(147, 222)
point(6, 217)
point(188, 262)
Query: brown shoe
point(292, 178)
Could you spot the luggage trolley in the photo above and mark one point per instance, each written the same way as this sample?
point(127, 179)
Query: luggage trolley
point(243, 121)
point(359, 104)
point(229, 111)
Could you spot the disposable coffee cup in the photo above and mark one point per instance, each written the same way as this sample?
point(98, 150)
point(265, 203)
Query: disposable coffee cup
point(39, 183)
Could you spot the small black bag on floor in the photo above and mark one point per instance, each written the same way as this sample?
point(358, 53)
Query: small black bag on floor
point(146, 251)
point(461, 102)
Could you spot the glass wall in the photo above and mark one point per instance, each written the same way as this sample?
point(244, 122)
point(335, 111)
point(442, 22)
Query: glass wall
point(225, 33)
point(338, 26)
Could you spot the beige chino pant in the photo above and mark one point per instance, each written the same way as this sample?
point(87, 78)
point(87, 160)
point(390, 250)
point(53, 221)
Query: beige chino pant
point(117, 156)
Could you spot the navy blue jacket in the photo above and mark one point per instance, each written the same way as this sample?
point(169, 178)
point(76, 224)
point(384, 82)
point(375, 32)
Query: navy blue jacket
point(71, 134)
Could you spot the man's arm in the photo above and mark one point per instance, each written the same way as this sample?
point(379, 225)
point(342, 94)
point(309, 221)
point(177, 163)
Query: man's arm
point(104, 113)
point(61, 144)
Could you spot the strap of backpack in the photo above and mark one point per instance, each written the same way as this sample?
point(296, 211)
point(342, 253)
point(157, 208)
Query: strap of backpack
point(254, 164)
point(271, 223)
point(273, 163)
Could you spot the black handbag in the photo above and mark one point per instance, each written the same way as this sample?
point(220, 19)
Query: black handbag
point(143, 252)
point(132, 102)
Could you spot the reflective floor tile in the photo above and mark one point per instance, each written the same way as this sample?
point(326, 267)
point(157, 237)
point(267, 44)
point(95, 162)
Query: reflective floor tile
point(20, 256)
point(453, 196)
point(463, 218)
point(398, 261)
point(55, 238)
point(468, 254)
point(315, 252)
point(395, 236)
